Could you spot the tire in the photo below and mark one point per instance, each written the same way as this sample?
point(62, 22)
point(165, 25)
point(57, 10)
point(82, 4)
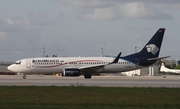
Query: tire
point(24, 76)
point(87, 76)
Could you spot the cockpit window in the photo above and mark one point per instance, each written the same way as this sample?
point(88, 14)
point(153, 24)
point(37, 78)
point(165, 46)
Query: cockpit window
point(18, 62)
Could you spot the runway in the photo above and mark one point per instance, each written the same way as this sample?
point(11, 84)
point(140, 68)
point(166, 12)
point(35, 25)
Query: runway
point(102, 81)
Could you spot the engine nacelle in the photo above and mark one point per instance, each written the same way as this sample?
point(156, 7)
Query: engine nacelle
point(71, 72)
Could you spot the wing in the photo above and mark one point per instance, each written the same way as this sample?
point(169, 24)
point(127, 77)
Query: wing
point(99, 67)
point(95, 68)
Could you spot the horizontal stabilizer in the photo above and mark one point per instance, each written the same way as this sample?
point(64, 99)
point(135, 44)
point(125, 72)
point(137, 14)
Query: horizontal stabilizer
point(159, 58)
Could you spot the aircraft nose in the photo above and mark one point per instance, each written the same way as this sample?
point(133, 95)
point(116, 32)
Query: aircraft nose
point(11, 68)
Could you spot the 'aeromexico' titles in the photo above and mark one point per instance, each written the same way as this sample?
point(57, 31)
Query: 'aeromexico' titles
point(47, 60)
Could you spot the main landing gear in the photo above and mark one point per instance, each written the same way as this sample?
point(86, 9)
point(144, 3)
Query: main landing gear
point(87, 76)
point(24, 76)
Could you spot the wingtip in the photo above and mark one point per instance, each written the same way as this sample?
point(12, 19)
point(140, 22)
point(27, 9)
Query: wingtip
point(162, 28)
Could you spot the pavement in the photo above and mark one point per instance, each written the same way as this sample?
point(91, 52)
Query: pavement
point(102, 81)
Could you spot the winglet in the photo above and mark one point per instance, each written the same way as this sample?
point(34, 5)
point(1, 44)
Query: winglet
point(116, 59)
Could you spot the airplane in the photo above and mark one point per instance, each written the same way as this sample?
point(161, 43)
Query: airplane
point(76, 66)
point(167, 70)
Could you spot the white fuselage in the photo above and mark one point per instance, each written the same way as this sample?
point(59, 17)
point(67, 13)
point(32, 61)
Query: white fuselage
point(57, 65)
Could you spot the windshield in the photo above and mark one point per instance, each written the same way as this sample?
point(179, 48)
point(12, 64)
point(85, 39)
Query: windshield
point(18, 62)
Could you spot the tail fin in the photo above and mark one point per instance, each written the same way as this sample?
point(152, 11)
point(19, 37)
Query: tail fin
point(152, 48)
point(149, 54)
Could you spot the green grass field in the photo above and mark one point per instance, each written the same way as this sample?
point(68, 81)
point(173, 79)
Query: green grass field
point(81, 97)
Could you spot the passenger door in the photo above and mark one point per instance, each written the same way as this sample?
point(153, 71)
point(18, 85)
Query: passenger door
point(28, 63)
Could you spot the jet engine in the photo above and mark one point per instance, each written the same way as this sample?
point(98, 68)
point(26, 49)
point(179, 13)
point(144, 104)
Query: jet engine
point(71, 72)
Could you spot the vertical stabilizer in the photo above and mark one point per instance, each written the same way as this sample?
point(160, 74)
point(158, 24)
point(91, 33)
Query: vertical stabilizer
point(150, 52)
point(152, 48)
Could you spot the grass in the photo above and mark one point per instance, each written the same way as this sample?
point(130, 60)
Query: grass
point(81, 97)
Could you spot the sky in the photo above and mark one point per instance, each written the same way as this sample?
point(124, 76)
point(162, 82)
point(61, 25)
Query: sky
point(84, 27)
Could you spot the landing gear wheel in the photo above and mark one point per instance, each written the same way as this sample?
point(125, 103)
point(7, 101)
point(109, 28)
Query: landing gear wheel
point(24, 76)
point(87, 76)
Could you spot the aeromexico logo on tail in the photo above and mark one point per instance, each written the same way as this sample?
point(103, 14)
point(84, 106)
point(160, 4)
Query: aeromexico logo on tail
point(152, 48)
